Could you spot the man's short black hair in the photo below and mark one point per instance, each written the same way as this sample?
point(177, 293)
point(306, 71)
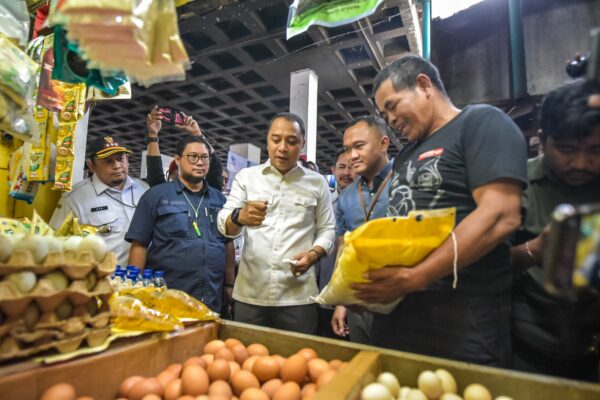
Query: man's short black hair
point(404, 71)
point(565, 114)
point(187, 139)
point(372, 121)
point(292, 118)
point(337, 156)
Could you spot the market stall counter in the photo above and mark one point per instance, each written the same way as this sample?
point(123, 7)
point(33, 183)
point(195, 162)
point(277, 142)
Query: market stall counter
point(100, 375)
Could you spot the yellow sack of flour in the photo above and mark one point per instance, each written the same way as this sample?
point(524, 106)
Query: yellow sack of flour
point(382, 242)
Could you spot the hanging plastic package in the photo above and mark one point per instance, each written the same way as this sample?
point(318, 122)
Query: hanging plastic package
point(70, 67)
point(383, 242)
point(19, 187)
point(330, 13)
point(18, 74)
point(14, 20)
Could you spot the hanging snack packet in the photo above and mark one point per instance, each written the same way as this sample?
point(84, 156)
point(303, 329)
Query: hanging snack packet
point(63, 174)
point(20, 188)
point(37, 165)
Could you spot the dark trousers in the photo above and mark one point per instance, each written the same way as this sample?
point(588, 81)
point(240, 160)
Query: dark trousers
point(301, 319)
point(360, 326)
point(449, 324)
point(528, 359)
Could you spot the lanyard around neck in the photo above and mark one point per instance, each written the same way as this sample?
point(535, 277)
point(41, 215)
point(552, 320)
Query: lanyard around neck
point(197, 209)
point(375, 199)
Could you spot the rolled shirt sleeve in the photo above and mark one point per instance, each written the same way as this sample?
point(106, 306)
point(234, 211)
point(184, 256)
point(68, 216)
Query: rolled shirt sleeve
point(325, 221)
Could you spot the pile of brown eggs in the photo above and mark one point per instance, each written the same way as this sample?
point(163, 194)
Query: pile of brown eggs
point(229, 370)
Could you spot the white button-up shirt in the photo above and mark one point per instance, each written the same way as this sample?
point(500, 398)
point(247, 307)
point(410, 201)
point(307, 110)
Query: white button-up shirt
point(95, 203)
point(299, 217)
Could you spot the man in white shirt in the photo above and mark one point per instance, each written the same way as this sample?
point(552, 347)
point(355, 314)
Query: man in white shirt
point(108, 199)
point(287, 212)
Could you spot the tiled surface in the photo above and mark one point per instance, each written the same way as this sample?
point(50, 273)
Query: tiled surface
point(240, 74)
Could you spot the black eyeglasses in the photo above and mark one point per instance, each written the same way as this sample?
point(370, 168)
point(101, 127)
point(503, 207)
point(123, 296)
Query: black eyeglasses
point(194, 158)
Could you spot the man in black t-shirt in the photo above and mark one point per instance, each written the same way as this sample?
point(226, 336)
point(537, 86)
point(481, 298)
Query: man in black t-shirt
point(472, 159)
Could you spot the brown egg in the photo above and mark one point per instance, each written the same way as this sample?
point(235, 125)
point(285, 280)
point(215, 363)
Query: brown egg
point(308, 353)
point(127, 384)
point(265, 368)
point(232, 342)
point(254, 394)
point(280, 360)
point(335, 364)
point(249, 363)
point(316, 366)
point(91, 398)
point(224, 354)
point(175, 369)
point(173, 390)
point(309, 389)
point(240, 354)
point(325, 377)
point(235, 367)
point(294, 369)
point(270, 387)
point(196, 360)
point(146, 386)
point(187, 397)
point(205, 397)
point(219, 370)
point(288, 391)
point(212, 346)
point(242, 381)
point(257, 349)
point(166, 377)
point(220, 388)
point(208, 358)
point(60, 391)
point(194, 380)
point(152, 397)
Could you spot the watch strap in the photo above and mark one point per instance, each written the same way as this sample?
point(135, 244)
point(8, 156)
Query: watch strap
point(150, 139)
point(235, 215)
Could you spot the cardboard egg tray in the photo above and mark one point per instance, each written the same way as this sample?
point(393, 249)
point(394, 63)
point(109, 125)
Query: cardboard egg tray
point(11, 347)
point(84, 324)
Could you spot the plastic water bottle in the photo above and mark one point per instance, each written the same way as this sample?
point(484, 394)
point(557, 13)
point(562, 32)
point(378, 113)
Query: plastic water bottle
point(131, 278)
point(116, 271)
point(159, 279)
point(118, 279)
point(147, 279)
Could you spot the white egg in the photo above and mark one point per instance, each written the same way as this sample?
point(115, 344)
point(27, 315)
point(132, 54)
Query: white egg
point(6, 247)
point(36, 245)
point(416, 394)
point(24, 281)
point(96, 245)
point(430, 384)
point(389, 380)
point(72, 243)
point(450, 396)
point(503, 398)
point(404, 392)
point(376, 391)
point(475, 391)
point(448, 381)
point(54, 243)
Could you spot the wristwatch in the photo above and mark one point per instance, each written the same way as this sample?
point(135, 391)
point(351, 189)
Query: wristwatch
point(235, 215)
point(150, 139)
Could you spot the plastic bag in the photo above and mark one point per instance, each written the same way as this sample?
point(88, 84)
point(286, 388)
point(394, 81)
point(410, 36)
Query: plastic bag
point(174, 302)
point(382, 242)
point(131, 314)
point(14, 20)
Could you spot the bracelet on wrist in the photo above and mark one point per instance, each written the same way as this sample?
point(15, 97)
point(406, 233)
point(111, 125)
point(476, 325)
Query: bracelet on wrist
point(228, 285)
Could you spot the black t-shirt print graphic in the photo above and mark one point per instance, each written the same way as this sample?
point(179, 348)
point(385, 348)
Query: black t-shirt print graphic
point(480, 145)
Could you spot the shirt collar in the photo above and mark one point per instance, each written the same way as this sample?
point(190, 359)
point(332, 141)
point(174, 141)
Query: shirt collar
point(382, 174)
point(267, 166)
point(537, 168)
point(179, 186)
point(101, 187)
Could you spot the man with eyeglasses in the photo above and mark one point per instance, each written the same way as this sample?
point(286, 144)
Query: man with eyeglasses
point(106, 200)
point(175, 228)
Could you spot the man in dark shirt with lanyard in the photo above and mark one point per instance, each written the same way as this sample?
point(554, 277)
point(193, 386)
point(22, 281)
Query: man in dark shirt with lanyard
point(175, 228)
point(366, 141)
point(472, 159)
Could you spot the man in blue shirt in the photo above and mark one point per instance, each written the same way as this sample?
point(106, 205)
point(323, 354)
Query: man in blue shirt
point(366, 141)
point(174, 228)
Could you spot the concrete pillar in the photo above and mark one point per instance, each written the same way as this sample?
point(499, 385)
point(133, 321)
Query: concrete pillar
point(246, 150)
point(304, 91)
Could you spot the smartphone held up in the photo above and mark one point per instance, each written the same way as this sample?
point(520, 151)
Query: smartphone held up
point(171, 116)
